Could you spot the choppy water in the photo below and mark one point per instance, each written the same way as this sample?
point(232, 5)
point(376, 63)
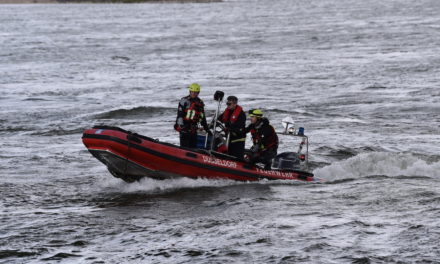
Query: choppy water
point(362, 77)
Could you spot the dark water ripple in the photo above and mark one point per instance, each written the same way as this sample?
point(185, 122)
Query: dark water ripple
point(136, 113)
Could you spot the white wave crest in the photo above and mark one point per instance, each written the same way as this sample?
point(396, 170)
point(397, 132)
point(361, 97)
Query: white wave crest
point(160, 186)
point(379, 163)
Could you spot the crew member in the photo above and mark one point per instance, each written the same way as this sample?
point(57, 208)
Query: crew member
point(264, 137)
point(234, 120)
point(190, 113)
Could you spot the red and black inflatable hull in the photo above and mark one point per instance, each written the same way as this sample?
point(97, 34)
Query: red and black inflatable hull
point(131, 157)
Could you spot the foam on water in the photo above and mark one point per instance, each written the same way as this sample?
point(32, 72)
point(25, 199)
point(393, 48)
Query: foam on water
point(152, 186)
point(379, 163)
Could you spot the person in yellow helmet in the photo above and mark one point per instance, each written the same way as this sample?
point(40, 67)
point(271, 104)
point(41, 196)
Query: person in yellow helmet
point(264, 138)
point(190, 112)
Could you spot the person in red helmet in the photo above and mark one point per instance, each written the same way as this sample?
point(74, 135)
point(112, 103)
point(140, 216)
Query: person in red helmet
point(190, 112)
point(264, 138)
point(234, 120)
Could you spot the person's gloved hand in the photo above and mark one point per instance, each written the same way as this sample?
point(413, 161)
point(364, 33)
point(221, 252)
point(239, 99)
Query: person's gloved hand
point(177, 127)
point(254, 148)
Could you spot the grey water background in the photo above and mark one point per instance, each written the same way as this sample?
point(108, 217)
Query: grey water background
point(362, 77)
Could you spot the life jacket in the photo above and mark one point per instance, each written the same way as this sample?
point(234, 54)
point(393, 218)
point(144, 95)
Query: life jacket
point(257, 136)
point(194, 113)
point(233, 118)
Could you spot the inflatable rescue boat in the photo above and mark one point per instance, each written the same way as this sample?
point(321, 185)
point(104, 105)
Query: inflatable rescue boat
point(131, 157)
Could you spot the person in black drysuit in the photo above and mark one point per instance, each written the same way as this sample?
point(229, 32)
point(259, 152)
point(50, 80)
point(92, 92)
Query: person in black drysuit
point(190, 112)
point(234, 120)
point(264, 138)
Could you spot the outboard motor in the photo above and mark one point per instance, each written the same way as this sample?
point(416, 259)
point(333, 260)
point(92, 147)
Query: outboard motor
point(288, 161)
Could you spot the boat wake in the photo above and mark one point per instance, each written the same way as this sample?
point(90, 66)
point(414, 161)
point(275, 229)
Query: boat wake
point(153, 186)
point(380, 163)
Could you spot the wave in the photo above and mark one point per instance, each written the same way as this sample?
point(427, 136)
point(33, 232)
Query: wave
point(341, 152)
point(380, 163)
point(376, 86)
point(16, 254)
point(374, 165)
point(136, 112)
point(35, 99)
point(61, 256)
point(15, 129)
point(289, 112)
point(152, 186)
point(120, 58)
point(59, 132)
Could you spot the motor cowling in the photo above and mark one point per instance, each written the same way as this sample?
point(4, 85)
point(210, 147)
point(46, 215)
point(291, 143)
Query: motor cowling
point(287, 161)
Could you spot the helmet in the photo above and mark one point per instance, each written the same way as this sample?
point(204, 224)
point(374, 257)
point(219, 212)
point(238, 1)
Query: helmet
point(256, 112)
point(194, 87)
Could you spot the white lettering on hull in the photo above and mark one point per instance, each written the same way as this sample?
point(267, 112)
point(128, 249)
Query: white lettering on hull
point(287, 175)
point(220, 162)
